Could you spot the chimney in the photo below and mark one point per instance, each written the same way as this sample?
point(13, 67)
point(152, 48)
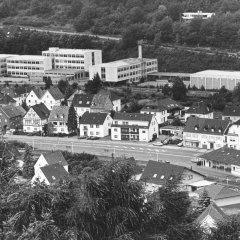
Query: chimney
point(140, 49)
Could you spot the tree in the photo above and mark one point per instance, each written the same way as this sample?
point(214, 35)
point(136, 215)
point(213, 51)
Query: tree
point(62, 85)
point(75, 85)
point(72, 119)
point(68, 93)
point(194, 88)
point(179, 89)
point(28, 166)
point(93, 86)
point(202, 88)
point(177, 122)
point(236, 93)
point(217, 101)
point(175, 10)
point(167, 91)
point(48, 82)
point(203, 201)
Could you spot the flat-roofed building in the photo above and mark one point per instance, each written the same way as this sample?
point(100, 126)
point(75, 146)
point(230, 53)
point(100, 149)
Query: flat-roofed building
point(188, 16)
point(215, 79)
point(125, 70)
point(3, 63)
point(80, 59)
point(25, 65)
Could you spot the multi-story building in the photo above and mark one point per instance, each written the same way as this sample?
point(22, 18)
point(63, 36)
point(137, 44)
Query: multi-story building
point(188, 16)
point(25, 65)
point(74, 58)
point(82, 103)
point(205, 133)
point(3, 63)
point(125, 70)
point(233, 136)
point(95, 124)
point(134, 126)
point(35, 118)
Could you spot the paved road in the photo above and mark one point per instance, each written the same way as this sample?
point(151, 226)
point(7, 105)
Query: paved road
point(140, 151)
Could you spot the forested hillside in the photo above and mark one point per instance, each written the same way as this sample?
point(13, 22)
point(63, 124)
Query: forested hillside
point(157, 20)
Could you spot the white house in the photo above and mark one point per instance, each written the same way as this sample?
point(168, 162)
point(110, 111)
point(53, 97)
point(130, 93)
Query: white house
point(205, 133)
point(95, 124)
point(233, 136)
point(82, 103)
point(59, 119)
point(50, 167)
point(231, 113)
point(34, 97)
point(201, 110)
point(134, 126)
point(52, 97)
point(35, 118)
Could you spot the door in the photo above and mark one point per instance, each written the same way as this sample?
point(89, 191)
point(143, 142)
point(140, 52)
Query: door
point(211, 145)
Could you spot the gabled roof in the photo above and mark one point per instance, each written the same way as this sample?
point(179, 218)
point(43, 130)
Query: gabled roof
point(76, 92)
point(100, 100)
point(23, 89)
point(82, 100)
point(59, 113)
point(55, 157)
point(206, 126)
point(38, 92)
point(13, 111)
point(223, 155)
point(55, 92)
point(158, 172)
point(231, 111)
point(41, 110)
point(214, 212)
point(199, 108)
point(6, 99)
point(143, 117)
point(9, 91)
point(216, 191)
point(54, 172)
point(113, 96)
point(93, 118)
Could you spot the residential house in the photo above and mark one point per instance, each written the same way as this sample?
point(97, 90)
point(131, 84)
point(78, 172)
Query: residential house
point(134, 127)
point(156, 174)
point(10, 92)
point(82, 103)
point(34, 97)
point(52, 97)
point(201, 110)
point(11, 117)
point(36, 118)
point(101, 103)
point(59, 119)
point(50, 167)
point(210, 217)
point(6, 100)
point(95, 124)
point(70, 99)
point(233, 135)
point(205, 133)
point(225, 159)
point(231, 113)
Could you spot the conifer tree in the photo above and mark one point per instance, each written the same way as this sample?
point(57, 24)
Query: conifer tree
point(28, 166)
point(204, 201)
point(72, 119)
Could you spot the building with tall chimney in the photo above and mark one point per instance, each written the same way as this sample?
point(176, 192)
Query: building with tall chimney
point(128, 70)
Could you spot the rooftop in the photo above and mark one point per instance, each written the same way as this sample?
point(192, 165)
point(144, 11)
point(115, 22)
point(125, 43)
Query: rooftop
point(100, 100)
point(59, 113)
point(13, 111)
point(69, 51)
point(133, 116)
point(223, 155)
point(28, 57)
point(41, 110)
point(55, 157)
point(199, 108)
point(231, 111)
point(82, 100)
point(218, 73)
point(93, 118)
point(55, 92)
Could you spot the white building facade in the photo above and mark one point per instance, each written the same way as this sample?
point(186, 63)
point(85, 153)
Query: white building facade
point(80, 59)
point(3, 63)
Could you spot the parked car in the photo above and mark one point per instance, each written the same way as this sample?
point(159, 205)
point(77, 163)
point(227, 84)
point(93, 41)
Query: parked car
point(180, 144)
point(95, 138)
point(82, 137)
point(157, 144)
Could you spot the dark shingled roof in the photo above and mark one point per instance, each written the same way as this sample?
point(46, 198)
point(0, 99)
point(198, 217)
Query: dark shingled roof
point(93, 118)
point(231, 111)
point(56, 93)
point(54, 172)
point(133, 116)
point(12, 111)
point(216, 192)
point(39, 92)
point(82, 100)
point(99, 100)
point(214, 212)
point(59, 113)
point(55, 157)
point(199, 108)
point(41, 110)
point(6, 99)
point(206, 126)
point(223, 155)
point(113, 96)
point(158, 172)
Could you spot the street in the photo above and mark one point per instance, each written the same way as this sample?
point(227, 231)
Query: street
point(141, 151)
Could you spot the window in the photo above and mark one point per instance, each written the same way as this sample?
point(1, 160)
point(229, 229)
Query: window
point(97, 126)
point(190, 177)
point(115, 129)
point(97, 133)
point(144, 131)
point(91, 133)
point(115, 136)
point(91, 126)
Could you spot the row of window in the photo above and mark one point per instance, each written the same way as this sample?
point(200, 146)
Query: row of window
point(151, 63)
point(68, 67)
point(25, 67)
point(63, 55)
point(69, 61)
point(24, 62)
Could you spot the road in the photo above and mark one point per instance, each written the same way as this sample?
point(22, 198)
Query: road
point(142, 152)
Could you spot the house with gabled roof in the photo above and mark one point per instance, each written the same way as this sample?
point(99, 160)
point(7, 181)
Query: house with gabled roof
point(70, 99)
point(231, 113)
point(36, 118)
point(134, 127)
point(34, 97)
point(52, 97)
point(101, 103)
point(205, 133)
point(155, 175)
point(58, 118)
point(50, 167)
point(200, 109)
point(210, 217)
point(95, 124)
point(82, 103)
point(11, 117)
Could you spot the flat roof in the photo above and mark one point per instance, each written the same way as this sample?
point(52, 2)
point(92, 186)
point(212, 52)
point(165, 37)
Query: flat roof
point(64, 71)
point(201, 183)
point(170, 74)
point(217, 73)
point(69, 51)
point(8, 55)
point(29, 57)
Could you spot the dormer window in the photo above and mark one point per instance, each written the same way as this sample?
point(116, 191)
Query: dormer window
point(88, 102)
point(155, 175)
point(212, 129)
point(162, 177)
point(80, 102)
point(219, 130)
point(196, 128)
